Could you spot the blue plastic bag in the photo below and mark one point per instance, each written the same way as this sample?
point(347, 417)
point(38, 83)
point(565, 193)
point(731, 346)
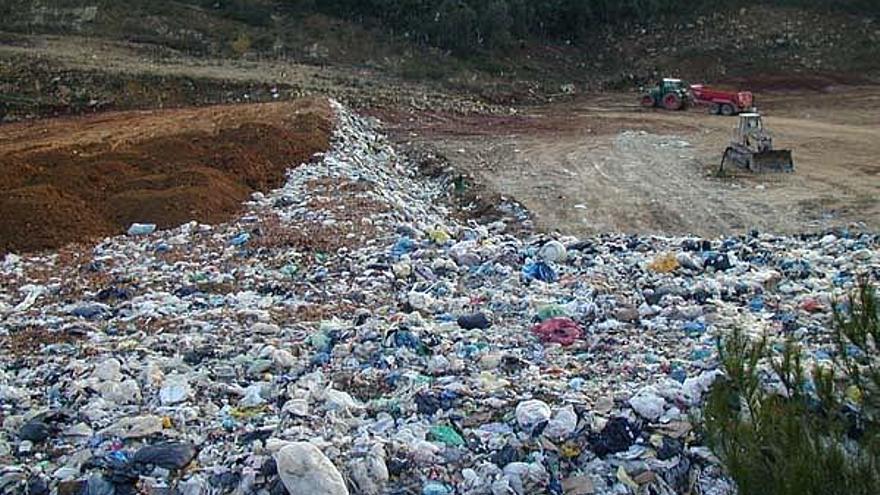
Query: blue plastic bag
point(539, 271)
point(404, 245)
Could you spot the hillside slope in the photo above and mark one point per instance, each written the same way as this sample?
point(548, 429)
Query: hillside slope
point(769, 47)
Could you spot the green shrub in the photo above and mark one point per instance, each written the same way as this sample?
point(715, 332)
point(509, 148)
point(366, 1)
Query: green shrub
point(781, 427)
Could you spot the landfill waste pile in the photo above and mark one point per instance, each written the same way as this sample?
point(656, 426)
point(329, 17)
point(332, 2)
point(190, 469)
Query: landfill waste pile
point(349, 334)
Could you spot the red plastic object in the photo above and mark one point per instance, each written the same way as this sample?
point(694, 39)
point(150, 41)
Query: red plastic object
point(559, 331)
point(812, 306)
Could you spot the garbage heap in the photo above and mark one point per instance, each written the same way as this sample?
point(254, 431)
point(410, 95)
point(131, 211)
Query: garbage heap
point(350, 334)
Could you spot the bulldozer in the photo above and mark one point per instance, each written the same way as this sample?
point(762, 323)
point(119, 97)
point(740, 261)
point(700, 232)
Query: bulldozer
point(752, 148)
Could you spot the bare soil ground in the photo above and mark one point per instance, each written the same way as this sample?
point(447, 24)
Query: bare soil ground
point(593, 164)
point(47, 76)
point(602, 164)
point(73, 179)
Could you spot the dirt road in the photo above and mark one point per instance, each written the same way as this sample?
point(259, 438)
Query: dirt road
point(120, 75)
point(602, 164)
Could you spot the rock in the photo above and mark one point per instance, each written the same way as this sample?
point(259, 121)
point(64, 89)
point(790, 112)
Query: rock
point(578, 485)
point(175, 390)
point(669, 448)
point(283, 359)
point(196, 485)
point(72, 487)
point(695, 387)
point(617, 435)
point(35, 431)
point(337, 400)
point(474, 321)
point(552, 252)
point(436, 488)
point(467, 259)
point(168, 455)
point(140, 229)
point(152, 376)
point(65, 473)
point(265, 329)
point(108, 370)
point(258, 367)
point(78, 431)
point(125, 392)
point(438, 365)
point(689, 262)
point(25, 447)
point(90, 311)
point(369, 474)
point(532, 413)
point(97, 485)
point(648, 404)
point(37, 485)
point(563, 424)
point(306, 470)
point(136, 427)
point(253, 396)
point(402, 270)
point(627, 314)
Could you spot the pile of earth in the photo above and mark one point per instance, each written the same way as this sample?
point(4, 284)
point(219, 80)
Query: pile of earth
point(73, 180)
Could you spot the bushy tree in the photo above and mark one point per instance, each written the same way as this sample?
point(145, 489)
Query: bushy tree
point(471, 25)
point(783, 428)
point(496, 24)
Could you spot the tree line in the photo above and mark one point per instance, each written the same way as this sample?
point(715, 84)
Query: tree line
point(464, 26)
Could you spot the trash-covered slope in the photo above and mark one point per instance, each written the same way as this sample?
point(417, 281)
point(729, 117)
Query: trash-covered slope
point(349, 335)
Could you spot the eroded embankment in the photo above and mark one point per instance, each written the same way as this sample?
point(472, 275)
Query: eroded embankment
point(75, 179)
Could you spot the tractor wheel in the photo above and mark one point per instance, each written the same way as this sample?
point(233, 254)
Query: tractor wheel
point(715, 109)
point(647, 101)
point(727, 110)
point(672, 102)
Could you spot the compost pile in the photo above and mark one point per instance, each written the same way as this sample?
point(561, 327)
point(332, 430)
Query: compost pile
point(349, 334)
point(75, 180)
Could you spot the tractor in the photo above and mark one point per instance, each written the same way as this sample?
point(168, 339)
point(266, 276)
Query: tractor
point(671, 94)
point(752, 148)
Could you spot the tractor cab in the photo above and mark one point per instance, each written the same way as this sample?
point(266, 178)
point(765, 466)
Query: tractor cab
point(750, 133)
point(751, 121)
point(670, 84)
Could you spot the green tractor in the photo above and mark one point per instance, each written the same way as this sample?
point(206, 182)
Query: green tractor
point(671, 94)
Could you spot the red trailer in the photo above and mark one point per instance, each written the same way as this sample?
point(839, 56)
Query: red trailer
point(723, 102)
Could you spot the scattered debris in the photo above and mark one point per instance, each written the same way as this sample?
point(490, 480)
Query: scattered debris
point(347, 347)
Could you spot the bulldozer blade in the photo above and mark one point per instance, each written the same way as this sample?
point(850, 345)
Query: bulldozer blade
point(772, 161)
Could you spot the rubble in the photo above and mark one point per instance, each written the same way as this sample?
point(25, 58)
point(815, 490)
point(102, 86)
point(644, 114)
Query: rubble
point(304, 469)
point(348, 334)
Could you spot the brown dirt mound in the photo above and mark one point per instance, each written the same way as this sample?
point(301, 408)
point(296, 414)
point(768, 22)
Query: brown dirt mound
point(76, 179)
point(797, 82)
